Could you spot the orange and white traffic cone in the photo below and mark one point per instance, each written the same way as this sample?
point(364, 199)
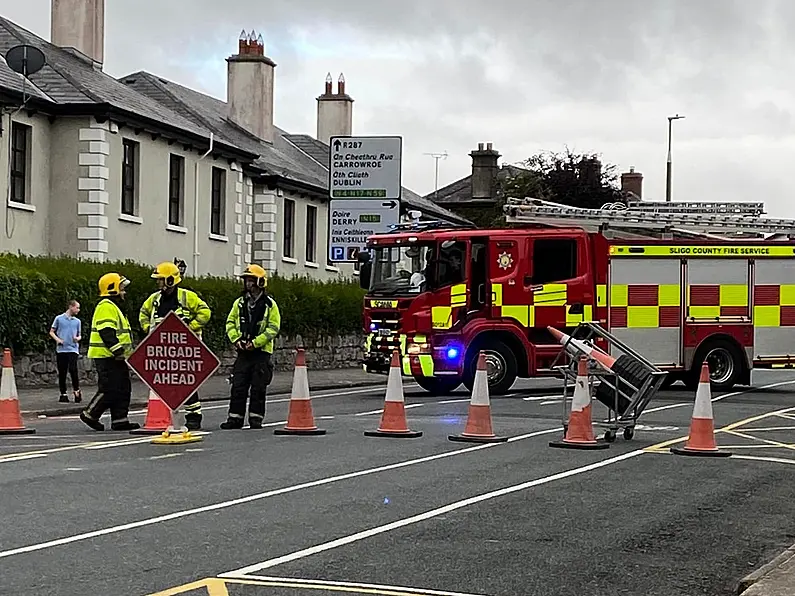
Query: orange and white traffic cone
point(393, 419)
point(300, 419)
point(575, 345)
point(10, 414)
point(701, 440)
point(579, 432)
point(159, 417)
point(478, 427)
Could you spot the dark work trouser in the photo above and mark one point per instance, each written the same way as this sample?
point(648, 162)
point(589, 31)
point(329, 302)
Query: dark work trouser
point(114, 390)
point(67, 363)
point(252, 370)
point(193, 407)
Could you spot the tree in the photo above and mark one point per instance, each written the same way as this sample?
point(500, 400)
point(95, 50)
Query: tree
point(579, 180)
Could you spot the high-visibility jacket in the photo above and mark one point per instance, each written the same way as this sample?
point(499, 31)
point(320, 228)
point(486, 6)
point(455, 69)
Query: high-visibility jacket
point(109, 321)
point(191, 309)
point(266, 329)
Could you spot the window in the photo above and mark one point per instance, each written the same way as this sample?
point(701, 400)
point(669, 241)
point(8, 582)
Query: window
point(311, 233)
point(288, 228)
point(20, 140)
point(129, 177)
point(554, 260)
point(452, 263)
point(176, 190)
point(217, 223)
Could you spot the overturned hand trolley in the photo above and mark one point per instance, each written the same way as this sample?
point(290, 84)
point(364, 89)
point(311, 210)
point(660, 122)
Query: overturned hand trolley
point(625, 387)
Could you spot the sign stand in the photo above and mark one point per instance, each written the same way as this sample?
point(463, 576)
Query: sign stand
point(173, 362)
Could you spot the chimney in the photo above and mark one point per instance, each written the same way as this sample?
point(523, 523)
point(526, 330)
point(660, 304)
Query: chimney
point(79, 24)
point(249, 87)
point(334, 111)
point(484, 172)
point(632, 181)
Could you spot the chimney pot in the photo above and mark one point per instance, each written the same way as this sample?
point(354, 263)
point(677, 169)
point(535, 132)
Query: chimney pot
point(632, 181)
point(249, 87)
point(79, 24)
point(484, 173)
point(334, 112)
point(488, 146)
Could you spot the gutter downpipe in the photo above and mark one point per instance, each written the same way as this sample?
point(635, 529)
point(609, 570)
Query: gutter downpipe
point(196, 252)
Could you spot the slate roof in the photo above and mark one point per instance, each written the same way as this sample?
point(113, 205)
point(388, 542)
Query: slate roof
point(293, 156)
point(70, 82)
point(460, 191)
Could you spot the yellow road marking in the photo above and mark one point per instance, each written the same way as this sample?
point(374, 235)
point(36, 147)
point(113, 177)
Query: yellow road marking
point(724, 429)
point(760, 439)
point(218, 587)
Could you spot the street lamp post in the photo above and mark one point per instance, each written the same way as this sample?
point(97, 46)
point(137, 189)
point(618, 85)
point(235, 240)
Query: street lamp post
point(668, 164)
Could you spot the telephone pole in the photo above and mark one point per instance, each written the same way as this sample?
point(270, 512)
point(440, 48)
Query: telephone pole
point(436, 157)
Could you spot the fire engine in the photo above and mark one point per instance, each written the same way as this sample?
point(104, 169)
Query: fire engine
point(681, 283)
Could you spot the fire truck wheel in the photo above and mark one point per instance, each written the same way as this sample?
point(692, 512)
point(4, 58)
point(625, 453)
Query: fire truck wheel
point(725, 365)
point(438, 386)
point(501, 367)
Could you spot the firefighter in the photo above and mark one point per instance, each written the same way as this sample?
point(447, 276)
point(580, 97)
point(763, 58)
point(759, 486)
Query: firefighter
point(252, 325)
point(189, 307)
point(109, 345)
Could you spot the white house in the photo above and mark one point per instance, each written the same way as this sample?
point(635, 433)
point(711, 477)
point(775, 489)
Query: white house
point(144, 168)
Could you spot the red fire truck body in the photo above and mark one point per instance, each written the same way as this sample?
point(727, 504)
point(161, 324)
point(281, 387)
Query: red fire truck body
point(441, 295)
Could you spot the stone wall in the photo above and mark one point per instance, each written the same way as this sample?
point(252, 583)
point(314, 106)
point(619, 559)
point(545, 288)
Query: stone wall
point(36, 370)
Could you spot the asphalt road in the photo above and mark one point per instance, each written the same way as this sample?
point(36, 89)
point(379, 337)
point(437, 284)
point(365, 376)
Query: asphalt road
point(247, 512)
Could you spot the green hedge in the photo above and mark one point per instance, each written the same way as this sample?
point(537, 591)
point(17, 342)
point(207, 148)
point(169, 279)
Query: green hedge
point(33, 290)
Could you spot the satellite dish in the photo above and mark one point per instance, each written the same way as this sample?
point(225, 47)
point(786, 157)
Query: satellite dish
point(25, 59)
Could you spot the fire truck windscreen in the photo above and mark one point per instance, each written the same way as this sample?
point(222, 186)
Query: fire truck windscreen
point(410, 270)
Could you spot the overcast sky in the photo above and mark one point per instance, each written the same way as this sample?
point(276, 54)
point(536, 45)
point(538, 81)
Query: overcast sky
point(525, 75)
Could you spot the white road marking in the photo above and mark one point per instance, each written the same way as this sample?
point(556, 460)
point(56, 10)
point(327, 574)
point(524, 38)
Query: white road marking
point(165, 456)
point(355, 586)
point(21, 457)
point(452, 401)
point(541, 397)
point(128, 442)
point(778, 460)
point(406, 407)
point(74, 469)
point(307, 552)
point(258, 497)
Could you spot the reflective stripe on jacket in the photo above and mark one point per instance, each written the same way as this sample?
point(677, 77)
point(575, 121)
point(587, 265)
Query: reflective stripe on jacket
point(107, 315)
point(268, 327)
point(192, 309)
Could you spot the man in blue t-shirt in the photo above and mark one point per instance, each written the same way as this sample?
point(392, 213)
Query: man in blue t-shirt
point(65, 331)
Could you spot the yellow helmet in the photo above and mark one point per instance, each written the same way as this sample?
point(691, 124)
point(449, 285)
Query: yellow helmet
point(257, 273)
point(168, 272)
point(111, 284)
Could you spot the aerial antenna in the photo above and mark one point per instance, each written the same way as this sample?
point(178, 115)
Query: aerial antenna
point(436, 157)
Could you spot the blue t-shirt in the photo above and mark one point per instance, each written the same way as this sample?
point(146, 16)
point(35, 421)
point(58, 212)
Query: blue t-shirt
point(67, 328)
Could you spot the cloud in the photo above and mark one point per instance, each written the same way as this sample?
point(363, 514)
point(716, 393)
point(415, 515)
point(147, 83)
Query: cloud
point(526, 75)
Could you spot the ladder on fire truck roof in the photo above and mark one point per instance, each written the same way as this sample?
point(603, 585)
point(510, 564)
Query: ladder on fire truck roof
point(644, 219)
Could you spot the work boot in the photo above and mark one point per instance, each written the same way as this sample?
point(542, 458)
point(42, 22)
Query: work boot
point(78, 396)
point(126, 425)
point(232, 424)
point(193, 421)
point(64, 399)
point(255, 423)
point(95, 424)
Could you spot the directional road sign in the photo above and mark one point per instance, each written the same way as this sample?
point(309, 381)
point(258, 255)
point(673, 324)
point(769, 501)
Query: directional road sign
point(173, 361)
point(352, 221)
point(365, 167)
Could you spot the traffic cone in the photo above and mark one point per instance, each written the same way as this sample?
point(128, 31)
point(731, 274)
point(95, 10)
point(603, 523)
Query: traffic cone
point(300, 420)
point(579, 432)
point(478, 428)
point(701, 440)
point(393, 420)
point(159, 417)
point(575, 345)
point(10, 414)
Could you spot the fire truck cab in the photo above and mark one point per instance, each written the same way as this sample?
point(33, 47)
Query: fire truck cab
point(678, 295)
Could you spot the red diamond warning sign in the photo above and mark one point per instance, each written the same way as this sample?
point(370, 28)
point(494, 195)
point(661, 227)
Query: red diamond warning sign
point(173, 361)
